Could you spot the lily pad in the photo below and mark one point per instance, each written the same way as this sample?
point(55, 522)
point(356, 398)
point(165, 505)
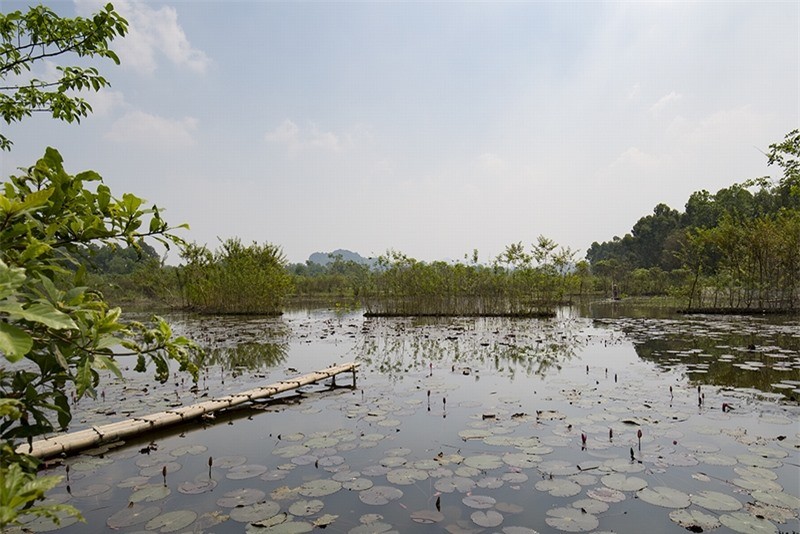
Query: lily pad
point(714, 500)
point(591, 506)
point(484, 462)
point(427, 516)
point(405, 477)
point(747, 524)
point(664, 496)
point(571, 520)
point(777, 498)
point(306, 507)
point(255, 513)
point(319, 488)
point(451, 484)
point(132, 515)
point(149, 494)
point(559, 487)
point(379, 495)
point(694, 520)
point(172, 521)
point(487, 519)
point(479, 501)
point(241, 497)
point(241, 472)
point(622, 483)
point(606, 494)
point(197, 487)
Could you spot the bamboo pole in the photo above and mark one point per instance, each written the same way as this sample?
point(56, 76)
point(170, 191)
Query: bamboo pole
point(84, 439)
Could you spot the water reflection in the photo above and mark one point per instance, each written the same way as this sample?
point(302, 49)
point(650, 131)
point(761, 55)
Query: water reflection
point(739, 352)
point(246, 356)
point(395, 346)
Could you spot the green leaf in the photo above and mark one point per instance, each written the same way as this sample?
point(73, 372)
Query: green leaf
point(14, 342)
point(46, 314)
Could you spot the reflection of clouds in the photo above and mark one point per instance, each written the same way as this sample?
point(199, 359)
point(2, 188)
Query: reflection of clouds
point(394, 346)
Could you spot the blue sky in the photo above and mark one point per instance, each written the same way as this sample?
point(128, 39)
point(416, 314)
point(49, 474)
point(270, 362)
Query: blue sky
point(429, 128)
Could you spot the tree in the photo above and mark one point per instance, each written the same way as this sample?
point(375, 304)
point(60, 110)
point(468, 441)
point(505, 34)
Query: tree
point(56, 333)
point(39, 34)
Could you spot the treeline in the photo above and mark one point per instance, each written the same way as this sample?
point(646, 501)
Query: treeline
point(736, 249)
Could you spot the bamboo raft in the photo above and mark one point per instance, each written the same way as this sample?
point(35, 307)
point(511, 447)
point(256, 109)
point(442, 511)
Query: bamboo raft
point(96, 435)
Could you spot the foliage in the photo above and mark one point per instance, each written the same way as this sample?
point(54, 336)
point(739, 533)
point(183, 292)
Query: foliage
point(39, 34)
point(518, 283)
point(236, 278)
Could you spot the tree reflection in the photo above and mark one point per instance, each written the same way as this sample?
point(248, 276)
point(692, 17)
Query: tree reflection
point(246, 356)
point(397, 346)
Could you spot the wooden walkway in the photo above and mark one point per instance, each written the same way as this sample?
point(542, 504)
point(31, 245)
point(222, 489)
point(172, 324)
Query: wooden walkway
point(84, 439)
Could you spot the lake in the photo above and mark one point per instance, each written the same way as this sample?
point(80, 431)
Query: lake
point(603, 419)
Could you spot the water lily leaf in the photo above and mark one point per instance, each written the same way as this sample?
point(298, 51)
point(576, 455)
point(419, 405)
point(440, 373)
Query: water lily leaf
point(321, 442)
point(379, 495)
point(747, 471)
point(622, 483)
point(226, 462)
point(487, 519)
point(473, 433)
point(255, 513)
point(172, 521)
point(521, 460)
point(747, 524)
point(291, 451)
point(757, 484)
point(427, 516)
point(519, 530)
point(241, 497)
point(664, 496)
point(772, 513)
point(484, 462)
point(358, 484)
point(319, 488)
point(571, 520)
point(777, 498)
point(306, 507)
point(149, 494)
point(193, 450)
point(717, 459)
point(134, 482)
point(241, 472)
point(91, 490)
point(210, 519)
point(694, 520)
point(559, 487)
point(287, 527)
point(479, 501)
point(153, 470)
point(490, 482)
point(451, 484)
point(196, 487)
point(325, 520)
point(759, 461)
point(132, 515)
point(591, 506)
point(713, 500)
point(558, 468)
point(405, 477)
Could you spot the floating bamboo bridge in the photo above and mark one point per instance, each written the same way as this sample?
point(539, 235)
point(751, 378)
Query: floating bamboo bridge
point(76, 441)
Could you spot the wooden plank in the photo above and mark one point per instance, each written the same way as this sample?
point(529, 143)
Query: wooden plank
point(76, 441)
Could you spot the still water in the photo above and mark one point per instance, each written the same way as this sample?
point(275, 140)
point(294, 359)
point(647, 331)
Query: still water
point(600, 420)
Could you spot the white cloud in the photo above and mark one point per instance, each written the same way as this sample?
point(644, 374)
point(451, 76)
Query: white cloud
point(151, 131)
point(665, 101)
point(295, 140)
point(104, 101)
point(150, 32)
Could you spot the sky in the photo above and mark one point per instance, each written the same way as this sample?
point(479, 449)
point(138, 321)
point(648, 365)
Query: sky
point(428, 128)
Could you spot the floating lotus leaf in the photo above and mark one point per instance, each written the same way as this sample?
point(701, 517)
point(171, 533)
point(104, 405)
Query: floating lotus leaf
point(319, 488)
point(172, 521)
point(393, 461)
point(194, 450)
point(171, 467)
point(306, 507)
point(149, 494)
point(499, 441)
point(376, 527)
point(558, 468)
point(519, 530)
point(290, 451)
point(255, 513)
point(398, 451)
point(209, 520)
point(325, 520)
point(484, 462)
point(700, 446)
point(305, 459)
point(467, 471)
point(717, 459)
point(571, 520)
point(747, 471)
point(378, 495)
point(623, 465)
point(591, 506)
point(487, 519)
point(747, 524)
point(428, 465)
point(297, 436)
point(777, 498)
point(622, 483)
point(241, 497)
point(768, 452)
point(132, 515)
point(91, 490)
point(134, 482)
point(713, 500)
point(427, 516)
point(479, 502)
point(358, 484)
point(584, 479)
point(346, 475)
point(373, 437)
point(451, 484)
point(405, 477)
point(226, 462)
point(521, 460)
point(509, 508)
point(757, 484)
point(319, 443)
point(514, 478)
point(694, 520)
point(490, 482)
point(287, 527)
point(275, 474)
point(759, 461)
point(559, 487)
point(664, 496)
point(771, 513)
point(241, 472)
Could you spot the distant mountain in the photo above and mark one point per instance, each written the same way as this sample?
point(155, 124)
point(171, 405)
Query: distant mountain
point(324, 258)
